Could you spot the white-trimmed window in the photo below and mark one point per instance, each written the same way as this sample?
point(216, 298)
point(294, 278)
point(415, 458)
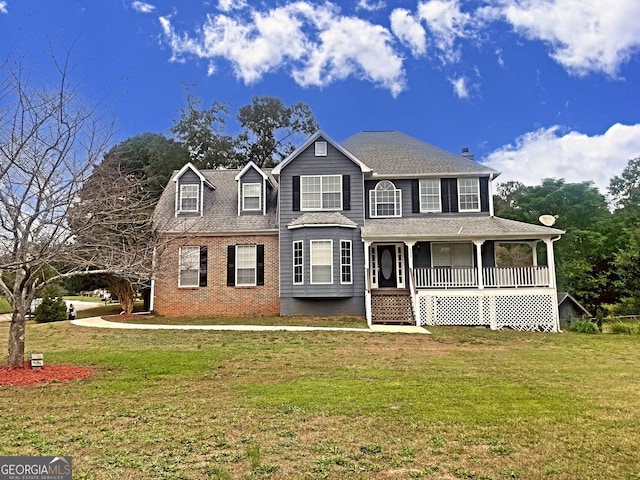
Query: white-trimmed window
point(189, 200)
point(346, 276)
point(385, 200)
point(189, 267)
point(452, 255)
point(468, 195)
point(430, 195)
point(321, 149)
point(298, 263)
point(252, 196)
point(246, 265)
point(321, 192)
point(321, 261)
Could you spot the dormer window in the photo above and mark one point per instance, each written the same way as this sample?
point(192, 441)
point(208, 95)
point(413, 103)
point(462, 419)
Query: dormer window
point(385, 200)
point(321, 149)
point(189, 198)
point(251, 196)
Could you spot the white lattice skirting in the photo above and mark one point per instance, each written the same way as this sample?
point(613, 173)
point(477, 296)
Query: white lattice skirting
point(519, 309)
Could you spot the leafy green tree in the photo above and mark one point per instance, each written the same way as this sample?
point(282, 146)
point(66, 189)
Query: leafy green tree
point(628, 265)
point(269, 128)
point(150, 157)
point(585, 254)
point(202, 132)
point(625, 188)
point(268, 132)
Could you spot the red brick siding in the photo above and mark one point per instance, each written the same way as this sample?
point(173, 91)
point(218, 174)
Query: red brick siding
point(217, 299)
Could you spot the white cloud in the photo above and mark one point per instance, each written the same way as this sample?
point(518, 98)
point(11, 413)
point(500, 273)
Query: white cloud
point(142, 7)
point(574, 156)
point(584, 35)
point(4, 7)
point(446, 23)
point(228, 5)
point(409, 31)
point(371, 5)
point(460, 87)
point(315, 44)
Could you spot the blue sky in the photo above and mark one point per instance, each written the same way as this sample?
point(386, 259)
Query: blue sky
point(534, 88)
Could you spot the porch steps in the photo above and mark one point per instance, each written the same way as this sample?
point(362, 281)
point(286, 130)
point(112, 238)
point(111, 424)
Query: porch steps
point(392, 307)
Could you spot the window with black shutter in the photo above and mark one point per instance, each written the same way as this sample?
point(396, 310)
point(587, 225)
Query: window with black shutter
point(203, 266)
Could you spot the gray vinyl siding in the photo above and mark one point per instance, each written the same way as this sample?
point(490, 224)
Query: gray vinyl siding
point(406, 186)
point(252, 176)
point(337, 288)
point(325, 307)
point(306, 163)
point(189, 177)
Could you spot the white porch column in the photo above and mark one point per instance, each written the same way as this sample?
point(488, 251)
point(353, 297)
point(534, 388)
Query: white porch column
point(534, 250)
point(410, 246)
point(411, 278)
point(551, 261)
point(367, 277)
point(478, 244)
point(551, 265)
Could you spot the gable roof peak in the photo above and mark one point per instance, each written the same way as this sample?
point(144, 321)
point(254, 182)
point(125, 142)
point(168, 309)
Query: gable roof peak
point(320, 134)
point(248, 166)
point(190, 166)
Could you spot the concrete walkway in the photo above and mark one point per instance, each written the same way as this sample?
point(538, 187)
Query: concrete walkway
point(97, 322)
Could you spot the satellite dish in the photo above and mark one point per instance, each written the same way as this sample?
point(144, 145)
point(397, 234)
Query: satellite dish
point(547, 220)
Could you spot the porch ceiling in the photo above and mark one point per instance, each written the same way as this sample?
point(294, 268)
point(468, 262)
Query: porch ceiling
point(454, 227)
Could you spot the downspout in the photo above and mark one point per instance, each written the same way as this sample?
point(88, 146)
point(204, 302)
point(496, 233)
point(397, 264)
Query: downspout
point(152, 294)
point(491, 212)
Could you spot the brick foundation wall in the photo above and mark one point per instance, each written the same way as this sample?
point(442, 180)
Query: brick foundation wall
point(217, 299)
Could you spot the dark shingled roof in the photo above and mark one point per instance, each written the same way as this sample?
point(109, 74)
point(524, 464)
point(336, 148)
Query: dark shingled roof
point(452, 227)
point(322, 218)
point(390, 153)
point(220, 208)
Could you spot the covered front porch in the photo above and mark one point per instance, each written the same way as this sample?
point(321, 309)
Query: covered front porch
point(492, 278)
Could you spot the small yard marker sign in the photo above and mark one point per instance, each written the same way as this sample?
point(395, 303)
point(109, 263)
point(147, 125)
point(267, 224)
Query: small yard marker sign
point(37, 361)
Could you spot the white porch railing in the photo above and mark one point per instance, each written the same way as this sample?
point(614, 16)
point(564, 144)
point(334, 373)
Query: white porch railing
point(491, 277)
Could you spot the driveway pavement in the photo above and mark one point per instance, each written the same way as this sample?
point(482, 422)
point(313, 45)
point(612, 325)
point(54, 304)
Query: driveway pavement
point(79, 305)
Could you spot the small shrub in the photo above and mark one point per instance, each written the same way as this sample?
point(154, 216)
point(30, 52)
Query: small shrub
point(622, 328)
point(584, 326)
point(52, 308)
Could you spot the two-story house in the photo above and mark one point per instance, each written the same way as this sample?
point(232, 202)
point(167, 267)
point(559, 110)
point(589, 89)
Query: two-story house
point(381, 225)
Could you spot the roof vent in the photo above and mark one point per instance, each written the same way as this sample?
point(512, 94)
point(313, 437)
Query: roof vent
point(465, 153)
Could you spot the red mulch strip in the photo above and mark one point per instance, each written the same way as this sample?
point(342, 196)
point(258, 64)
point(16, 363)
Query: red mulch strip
point(25, 375)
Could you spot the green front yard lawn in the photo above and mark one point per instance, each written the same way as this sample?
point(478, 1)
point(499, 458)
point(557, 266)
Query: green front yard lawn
point(461, 403)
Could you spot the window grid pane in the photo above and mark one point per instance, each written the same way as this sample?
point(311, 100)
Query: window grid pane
point(468, 190)
point(298, 278)
point(189, 198)
point(345, 261)
point(245, 265)
point(430, 195)
point(321, 192)
point(385, 200)
point(251, 196)
point(189, 266)
point(453, 255)
point(321, 261)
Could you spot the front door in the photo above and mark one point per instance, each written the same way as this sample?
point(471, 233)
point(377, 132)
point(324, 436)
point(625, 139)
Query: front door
point(387, 277)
